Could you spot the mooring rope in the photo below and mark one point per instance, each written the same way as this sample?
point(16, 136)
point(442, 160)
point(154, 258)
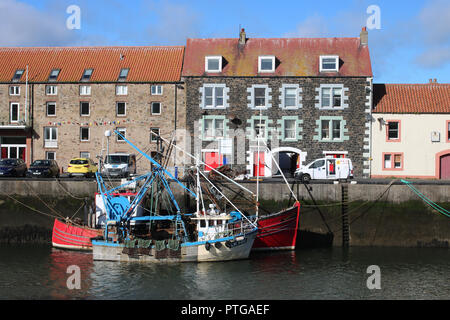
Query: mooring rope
point(27, 206)
point(432, 204)
point(59, 183)
point(364, 204)
point(37, 196)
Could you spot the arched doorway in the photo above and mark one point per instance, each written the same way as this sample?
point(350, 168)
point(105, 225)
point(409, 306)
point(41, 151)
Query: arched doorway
point(289, 159)
point(444, 165)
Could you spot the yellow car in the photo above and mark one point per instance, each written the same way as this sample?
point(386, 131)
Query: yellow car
point(82, 167)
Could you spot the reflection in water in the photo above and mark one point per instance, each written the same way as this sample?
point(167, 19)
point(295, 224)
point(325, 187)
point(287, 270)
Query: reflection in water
point(59, 262)
point(41, 273)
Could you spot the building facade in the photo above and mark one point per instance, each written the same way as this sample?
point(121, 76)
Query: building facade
point(411, 131)
point(76, 94)
point(292, 101)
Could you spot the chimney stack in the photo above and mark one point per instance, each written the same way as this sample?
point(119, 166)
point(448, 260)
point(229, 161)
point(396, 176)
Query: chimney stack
point(363, 37)
point(242, 37)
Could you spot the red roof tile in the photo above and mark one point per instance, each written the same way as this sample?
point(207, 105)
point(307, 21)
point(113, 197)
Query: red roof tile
point(146, 64)
point(411, 98)
point(296, 56)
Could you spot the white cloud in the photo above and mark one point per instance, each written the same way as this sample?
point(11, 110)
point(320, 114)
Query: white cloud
point(174, 24)
point(435, 57)
point(23, 25)
point(312, 27)
point(435, 34)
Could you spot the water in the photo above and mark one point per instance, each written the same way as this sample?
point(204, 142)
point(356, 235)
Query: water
point(40, 272)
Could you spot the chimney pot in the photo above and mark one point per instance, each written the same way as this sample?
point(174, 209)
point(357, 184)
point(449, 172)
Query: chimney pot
point(435, 80)
point(242, 37)
point(363, 37)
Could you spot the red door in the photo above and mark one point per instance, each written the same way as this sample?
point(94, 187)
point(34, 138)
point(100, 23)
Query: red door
point(445, 167)
point(261, 164)
point(212, 160)
point(4, 152)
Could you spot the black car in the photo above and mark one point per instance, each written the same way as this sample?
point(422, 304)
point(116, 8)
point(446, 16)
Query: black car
point(12, 168)
point(43, 168)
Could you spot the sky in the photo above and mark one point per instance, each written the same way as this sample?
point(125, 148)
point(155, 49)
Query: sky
point(409, 41)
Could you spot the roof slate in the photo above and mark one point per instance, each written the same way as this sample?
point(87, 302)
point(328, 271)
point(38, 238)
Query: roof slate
point(298, 57)
point(411, 98)
point(146, 64)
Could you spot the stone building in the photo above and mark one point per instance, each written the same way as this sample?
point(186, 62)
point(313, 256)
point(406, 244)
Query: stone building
point(76, 94)
point(289, 99)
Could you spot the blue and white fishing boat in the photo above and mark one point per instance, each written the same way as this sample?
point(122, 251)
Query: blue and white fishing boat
point(206, 235)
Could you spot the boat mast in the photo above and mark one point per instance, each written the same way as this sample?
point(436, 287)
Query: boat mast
point(198, 188)
point(258, 165)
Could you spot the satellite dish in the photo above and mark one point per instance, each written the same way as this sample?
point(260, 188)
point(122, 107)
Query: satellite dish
point(108, 133)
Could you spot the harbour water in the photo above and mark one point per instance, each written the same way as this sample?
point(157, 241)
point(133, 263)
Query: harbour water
point(40, 272)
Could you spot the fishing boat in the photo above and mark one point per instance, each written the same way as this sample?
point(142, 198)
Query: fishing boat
point(67, 235)
point(74, 235)
point(278, 231)
point(171, 236)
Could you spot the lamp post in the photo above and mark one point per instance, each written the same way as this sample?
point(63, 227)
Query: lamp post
point(107, 135)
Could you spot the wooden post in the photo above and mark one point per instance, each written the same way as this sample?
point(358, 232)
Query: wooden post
point(344, 212)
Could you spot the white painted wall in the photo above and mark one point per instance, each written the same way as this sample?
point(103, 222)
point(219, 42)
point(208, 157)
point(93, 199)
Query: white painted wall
point(419, 151)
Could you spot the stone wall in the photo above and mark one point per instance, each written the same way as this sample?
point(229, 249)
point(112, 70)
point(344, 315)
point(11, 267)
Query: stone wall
point(137, 121)
point(378, 215)
point(356, 127)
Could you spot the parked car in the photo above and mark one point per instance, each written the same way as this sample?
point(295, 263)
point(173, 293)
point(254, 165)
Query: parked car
point(12, 168)
point(119, 165)
point(43, 168)
point(82, 167)
point(326, 168)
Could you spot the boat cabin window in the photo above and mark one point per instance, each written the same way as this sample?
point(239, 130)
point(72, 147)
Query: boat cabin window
point(202, 223)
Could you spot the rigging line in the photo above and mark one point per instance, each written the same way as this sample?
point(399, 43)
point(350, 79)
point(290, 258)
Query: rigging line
point(37, 196)
point(282, 174)
point(227, 199)
point(203, 163)
point(368, 202)
point(77, 211)
point(27, 206)
point(59, 183)
point(379, 218)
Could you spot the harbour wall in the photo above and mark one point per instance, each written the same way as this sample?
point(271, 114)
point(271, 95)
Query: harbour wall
point(380, 214)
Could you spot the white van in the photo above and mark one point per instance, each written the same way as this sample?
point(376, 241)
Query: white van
point(326, 168)
point(119, 165)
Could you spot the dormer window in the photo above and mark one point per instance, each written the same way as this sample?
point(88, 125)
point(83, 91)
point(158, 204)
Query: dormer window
point(266, 63)
point(329, 64)
point(213, 64)
point(53, 75)
point(87, 75)
point(123, 74)
point(18, 75)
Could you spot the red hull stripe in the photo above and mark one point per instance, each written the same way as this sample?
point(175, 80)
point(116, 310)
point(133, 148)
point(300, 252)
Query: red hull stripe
point(89, 236)
point(63, 240)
